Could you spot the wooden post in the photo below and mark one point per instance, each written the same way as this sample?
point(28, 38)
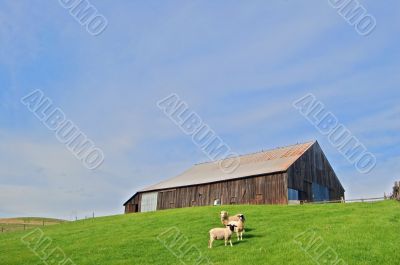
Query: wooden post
point(24, 227)
point(396, 191)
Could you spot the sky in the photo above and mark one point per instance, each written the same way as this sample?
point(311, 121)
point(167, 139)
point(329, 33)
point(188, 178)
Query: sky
point(238, 64)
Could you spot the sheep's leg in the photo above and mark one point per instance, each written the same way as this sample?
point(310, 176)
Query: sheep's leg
point(238, 235)
point(241, 236)
point(226, 241)
point(210, 242)
point(230, 241)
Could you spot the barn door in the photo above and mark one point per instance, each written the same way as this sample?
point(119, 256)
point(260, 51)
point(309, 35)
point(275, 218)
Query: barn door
point(149, 202)
point(132, 208)
point(320, 193)
point(306, 194)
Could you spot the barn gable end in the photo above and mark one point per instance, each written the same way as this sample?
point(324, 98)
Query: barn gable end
point(311, 174)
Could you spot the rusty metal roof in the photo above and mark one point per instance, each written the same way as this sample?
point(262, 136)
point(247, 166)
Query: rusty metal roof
point(265, 162)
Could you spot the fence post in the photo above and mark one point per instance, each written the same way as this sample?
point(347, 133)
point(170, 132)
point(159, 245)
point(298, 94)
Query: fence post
point(24, 227)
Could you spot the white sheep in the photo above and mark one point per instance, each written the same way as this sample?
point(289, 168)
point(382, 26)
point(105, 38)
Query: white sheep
point(225, 218)
point(239, 227)
point(221, 233)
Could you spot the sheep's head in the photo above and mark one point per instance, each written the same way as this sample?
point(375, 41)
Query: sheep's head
point(241, 217)
point(231, 227)
point(224, 215)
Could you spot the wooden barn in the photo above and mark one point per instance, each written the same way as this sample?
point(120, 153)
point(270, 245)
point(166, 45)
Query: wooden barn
point(299, 172)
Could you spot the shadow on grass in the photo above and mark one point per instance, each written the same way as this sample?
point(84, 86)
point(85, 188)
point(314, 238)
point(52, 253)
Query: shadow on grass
point(250, 236)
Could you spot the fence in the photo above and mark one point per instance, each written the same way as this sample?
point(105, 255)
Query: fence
point(9, 225)
point(347, 201)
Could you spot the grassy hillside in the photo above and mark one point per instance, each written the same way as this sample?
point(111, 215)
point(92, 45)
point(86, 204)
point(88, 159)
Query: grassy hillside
point(361, 233)
point(21, 223)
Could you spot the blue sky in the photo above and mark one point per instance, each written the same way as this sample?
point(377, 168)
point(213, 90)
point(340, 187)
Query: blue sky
point(239, 65)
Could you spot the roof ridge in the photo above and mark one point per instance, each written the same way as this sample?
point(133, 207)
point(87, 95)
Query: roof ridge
point(258, 152)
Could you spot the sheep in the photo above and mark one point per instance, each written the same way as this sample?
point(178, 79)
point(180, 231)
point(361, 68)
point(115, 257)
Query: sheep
point(239, 227)
point(225, 218)
point(221, 233)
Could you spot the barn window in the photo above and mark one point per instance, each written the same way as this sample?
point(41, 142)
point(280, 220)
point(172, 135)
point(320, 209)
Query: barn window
point(217, 202)
point(293, 195)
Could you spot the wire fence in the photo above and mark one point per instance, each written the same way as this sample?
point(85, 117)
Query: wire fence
point(347, 201)
point(20, 225)
point(26, 223)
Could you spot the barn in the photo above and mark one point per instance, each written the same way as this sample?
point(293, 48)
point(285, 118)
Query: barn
point(283, 175)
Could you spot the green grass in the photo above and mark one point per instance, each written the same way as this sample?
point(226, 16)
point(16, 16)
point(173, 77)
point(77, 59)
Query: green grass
point(360, 233)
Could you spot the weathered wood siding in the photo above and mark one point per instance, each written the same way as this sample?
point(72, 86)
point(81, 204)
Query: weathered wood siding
point(314, 167)
point(133, 205)
point(267, 189)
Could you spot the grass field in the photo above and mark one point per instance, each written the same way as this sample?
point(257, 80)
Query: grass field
point(358, 233)
point(22, 223)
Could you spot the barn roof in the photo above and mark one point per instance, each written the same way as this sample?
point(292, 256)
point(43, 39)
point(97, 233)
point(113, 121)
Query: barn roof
point(265, 162)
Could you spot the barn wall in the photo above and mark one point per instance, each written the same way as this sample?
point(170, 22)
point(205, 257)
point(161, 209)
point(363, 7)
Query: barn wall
point(314, 167)
point(267, 189)
point(134, 204)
